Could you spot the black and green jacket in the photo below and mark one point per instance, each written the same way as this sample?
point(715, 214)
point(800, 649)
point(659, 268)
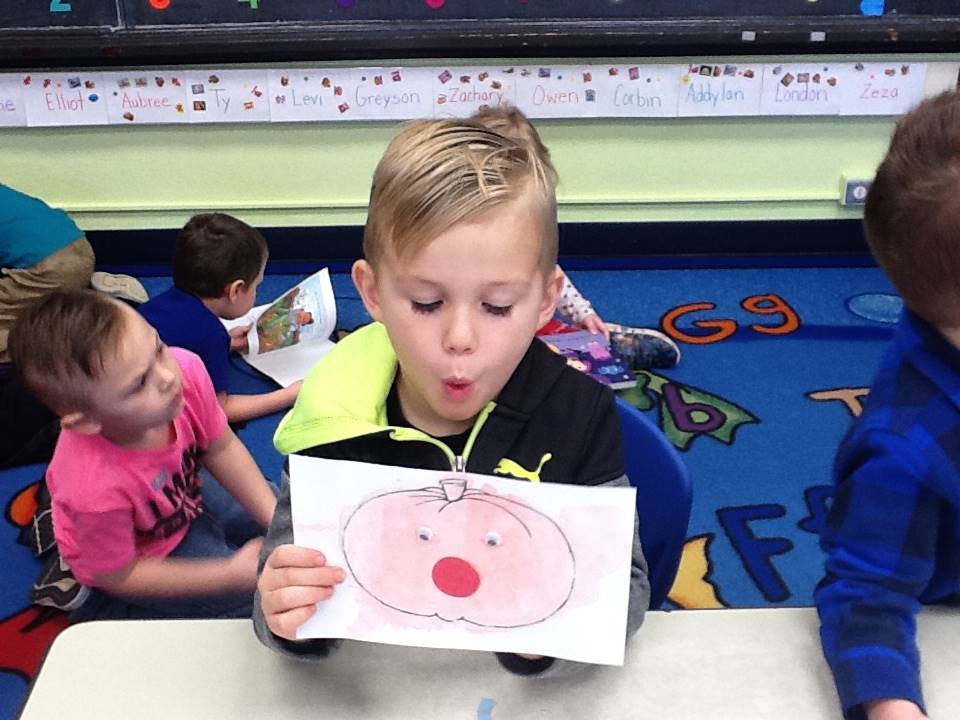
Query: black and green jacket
point(550, 423)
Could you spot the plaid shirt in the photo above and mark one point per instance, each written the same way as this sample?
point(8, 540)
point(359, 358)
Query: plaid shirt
point(893, 533)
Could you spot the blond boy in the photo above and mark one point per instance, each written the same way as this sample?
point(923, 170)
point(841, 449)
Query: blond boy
point(139, 420)
point(459, 271)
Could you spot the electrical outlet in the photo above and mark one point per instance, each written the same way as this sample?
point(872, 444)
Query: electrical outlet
point(853, 192)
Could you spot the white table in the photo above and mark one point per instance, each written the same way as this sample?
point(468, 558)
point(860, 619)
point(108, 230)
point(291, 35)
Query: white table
point(699, 664)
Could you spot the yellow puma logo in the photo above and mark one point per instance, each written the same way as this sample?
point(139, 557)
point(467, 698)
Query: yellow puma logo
point(506, 466)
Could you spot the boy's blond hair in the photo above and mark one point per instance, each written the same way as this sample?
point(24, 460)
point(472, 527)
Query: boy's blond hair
point(912, 214)
point(512, 123)
point(65, 336)
point(438, 173)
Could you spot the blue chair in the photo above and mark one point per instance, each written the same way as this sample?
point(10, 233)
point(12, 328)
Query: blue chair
point(664, 497)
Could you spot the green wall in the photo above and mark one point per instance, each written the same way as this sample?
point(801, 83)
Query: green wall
point(318, 174)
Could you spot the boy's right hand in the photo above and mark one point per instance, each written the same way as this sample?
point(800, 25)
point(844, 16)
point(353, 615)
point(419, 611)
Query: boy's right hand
point(238, 339)
point(293, 581)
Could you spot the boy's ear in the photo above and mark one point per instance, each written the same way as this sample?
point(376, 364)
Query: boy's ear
point(366, 281)
point(551, 294)
point(232, 290)
point(80, 422)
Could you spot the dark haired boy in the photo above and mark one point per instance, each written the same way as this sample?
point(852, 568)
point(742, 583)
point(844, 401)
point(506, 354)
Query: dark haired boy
point(132, 516)
point(218, 263)
point(893, 533)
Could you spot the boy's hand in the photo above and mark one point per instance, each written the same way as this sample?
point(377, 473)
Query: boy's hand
point(243, 563)
point(291, 391)
point(238, 339)
point(893, 709)
point(293, 581)
point(594, 323)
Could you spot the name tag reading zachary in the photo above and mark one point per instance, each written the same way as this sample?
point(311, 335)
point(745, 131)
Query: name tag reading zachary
point(457, 560)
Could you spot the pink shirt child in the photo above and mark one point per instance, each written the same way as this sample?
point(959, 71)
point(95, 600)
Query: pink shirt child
point(113, 504)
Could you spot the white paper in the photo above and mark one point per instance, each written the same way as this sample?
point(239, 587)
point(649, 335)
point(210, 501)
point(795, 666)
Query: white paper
point(459, 92)
point(58, 99)
point(391, 93)
point(288, 336)
point(457, 560)
point(12, 111)
point(638, 90)
point(712, 89)
point(304, 95)
point(154, 97)
point(801, 89)
point(875, 88)
point(215, 96)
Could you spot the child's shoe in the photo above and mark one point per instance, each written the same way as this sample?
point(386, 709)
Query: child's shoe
point(644, 348)
point(57, 587)
point(122, 287)
point(38, 534)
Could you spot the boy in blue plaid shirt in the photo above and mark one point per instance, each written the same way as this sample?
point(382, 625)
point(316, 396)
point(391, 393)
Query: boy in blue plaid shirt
point(893, 533)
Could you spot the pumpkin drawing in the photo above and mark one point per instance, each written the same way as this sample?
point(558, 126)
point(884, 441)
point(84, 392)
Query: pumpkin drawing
point(459, 553)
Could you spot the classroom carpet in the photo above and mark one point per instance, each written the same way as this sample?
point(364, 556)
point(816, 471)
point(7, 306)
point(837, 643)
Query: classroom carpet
point(776, 364)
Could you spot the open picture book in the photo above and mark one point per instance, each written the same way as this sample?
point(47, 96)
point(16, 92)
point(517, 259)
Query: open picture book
point(289, 335)
point(593, 355)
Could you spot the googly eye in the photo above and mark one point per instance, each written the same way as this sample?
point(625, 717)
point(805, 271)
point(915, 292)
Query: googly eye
point(492, 539)
point(424, 533)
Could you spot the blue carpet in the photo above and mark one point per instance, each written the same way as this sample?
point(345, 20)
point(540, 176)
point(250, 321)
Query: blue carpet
point(744, 410)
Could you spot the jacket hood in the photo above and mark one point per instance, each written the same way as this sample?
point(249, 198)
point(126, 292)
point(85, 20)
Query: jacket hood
point(344, 395)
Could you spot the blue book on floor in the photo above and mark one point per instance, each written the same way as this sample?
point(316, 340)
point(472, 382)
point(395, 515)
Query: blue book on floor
point(592, 355)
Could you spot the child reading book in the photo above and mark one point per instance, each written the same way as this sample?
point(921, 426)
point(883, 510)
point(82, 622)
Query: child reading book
point(218, 263)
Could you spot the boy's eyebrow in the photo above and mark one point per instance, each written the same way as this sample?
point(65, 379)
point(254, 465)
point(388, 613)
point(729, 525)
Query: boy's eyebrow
point(495, 284)
point(132, 388)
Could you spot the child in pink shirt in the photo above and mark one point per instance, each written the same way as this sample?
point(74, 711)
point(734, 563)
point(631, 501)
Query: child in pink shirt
point(132, 517)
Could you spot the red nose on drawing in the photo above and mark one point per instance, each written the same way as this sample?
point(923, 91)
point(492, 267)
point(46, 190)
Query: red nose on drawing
point(455, 577)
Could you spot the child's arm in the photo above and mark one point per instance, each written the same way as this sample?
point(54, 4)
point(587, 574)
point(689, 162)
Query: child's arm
point(232, 465)
point(185, 577)
point(576, 307)
point(881, 539)
point(246, 407)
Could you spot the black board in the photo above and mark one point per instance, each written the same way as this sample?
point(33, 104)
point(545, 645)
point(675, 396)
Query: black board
point(33, 14)
point(41, 33)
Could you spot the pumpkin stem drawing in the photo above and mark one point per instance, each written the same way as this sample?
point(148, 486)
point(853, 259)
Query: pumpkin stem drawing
point(456, 553)
point(453, 489)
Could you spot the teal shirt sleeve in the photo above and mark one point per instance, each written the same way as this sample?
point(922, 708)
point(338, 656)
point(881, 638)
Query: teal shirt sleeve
point(31, 230)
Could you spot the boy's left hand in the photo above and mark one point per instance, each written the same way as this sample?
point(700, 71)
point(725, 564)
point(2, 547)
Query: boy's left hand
point(238, 339)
